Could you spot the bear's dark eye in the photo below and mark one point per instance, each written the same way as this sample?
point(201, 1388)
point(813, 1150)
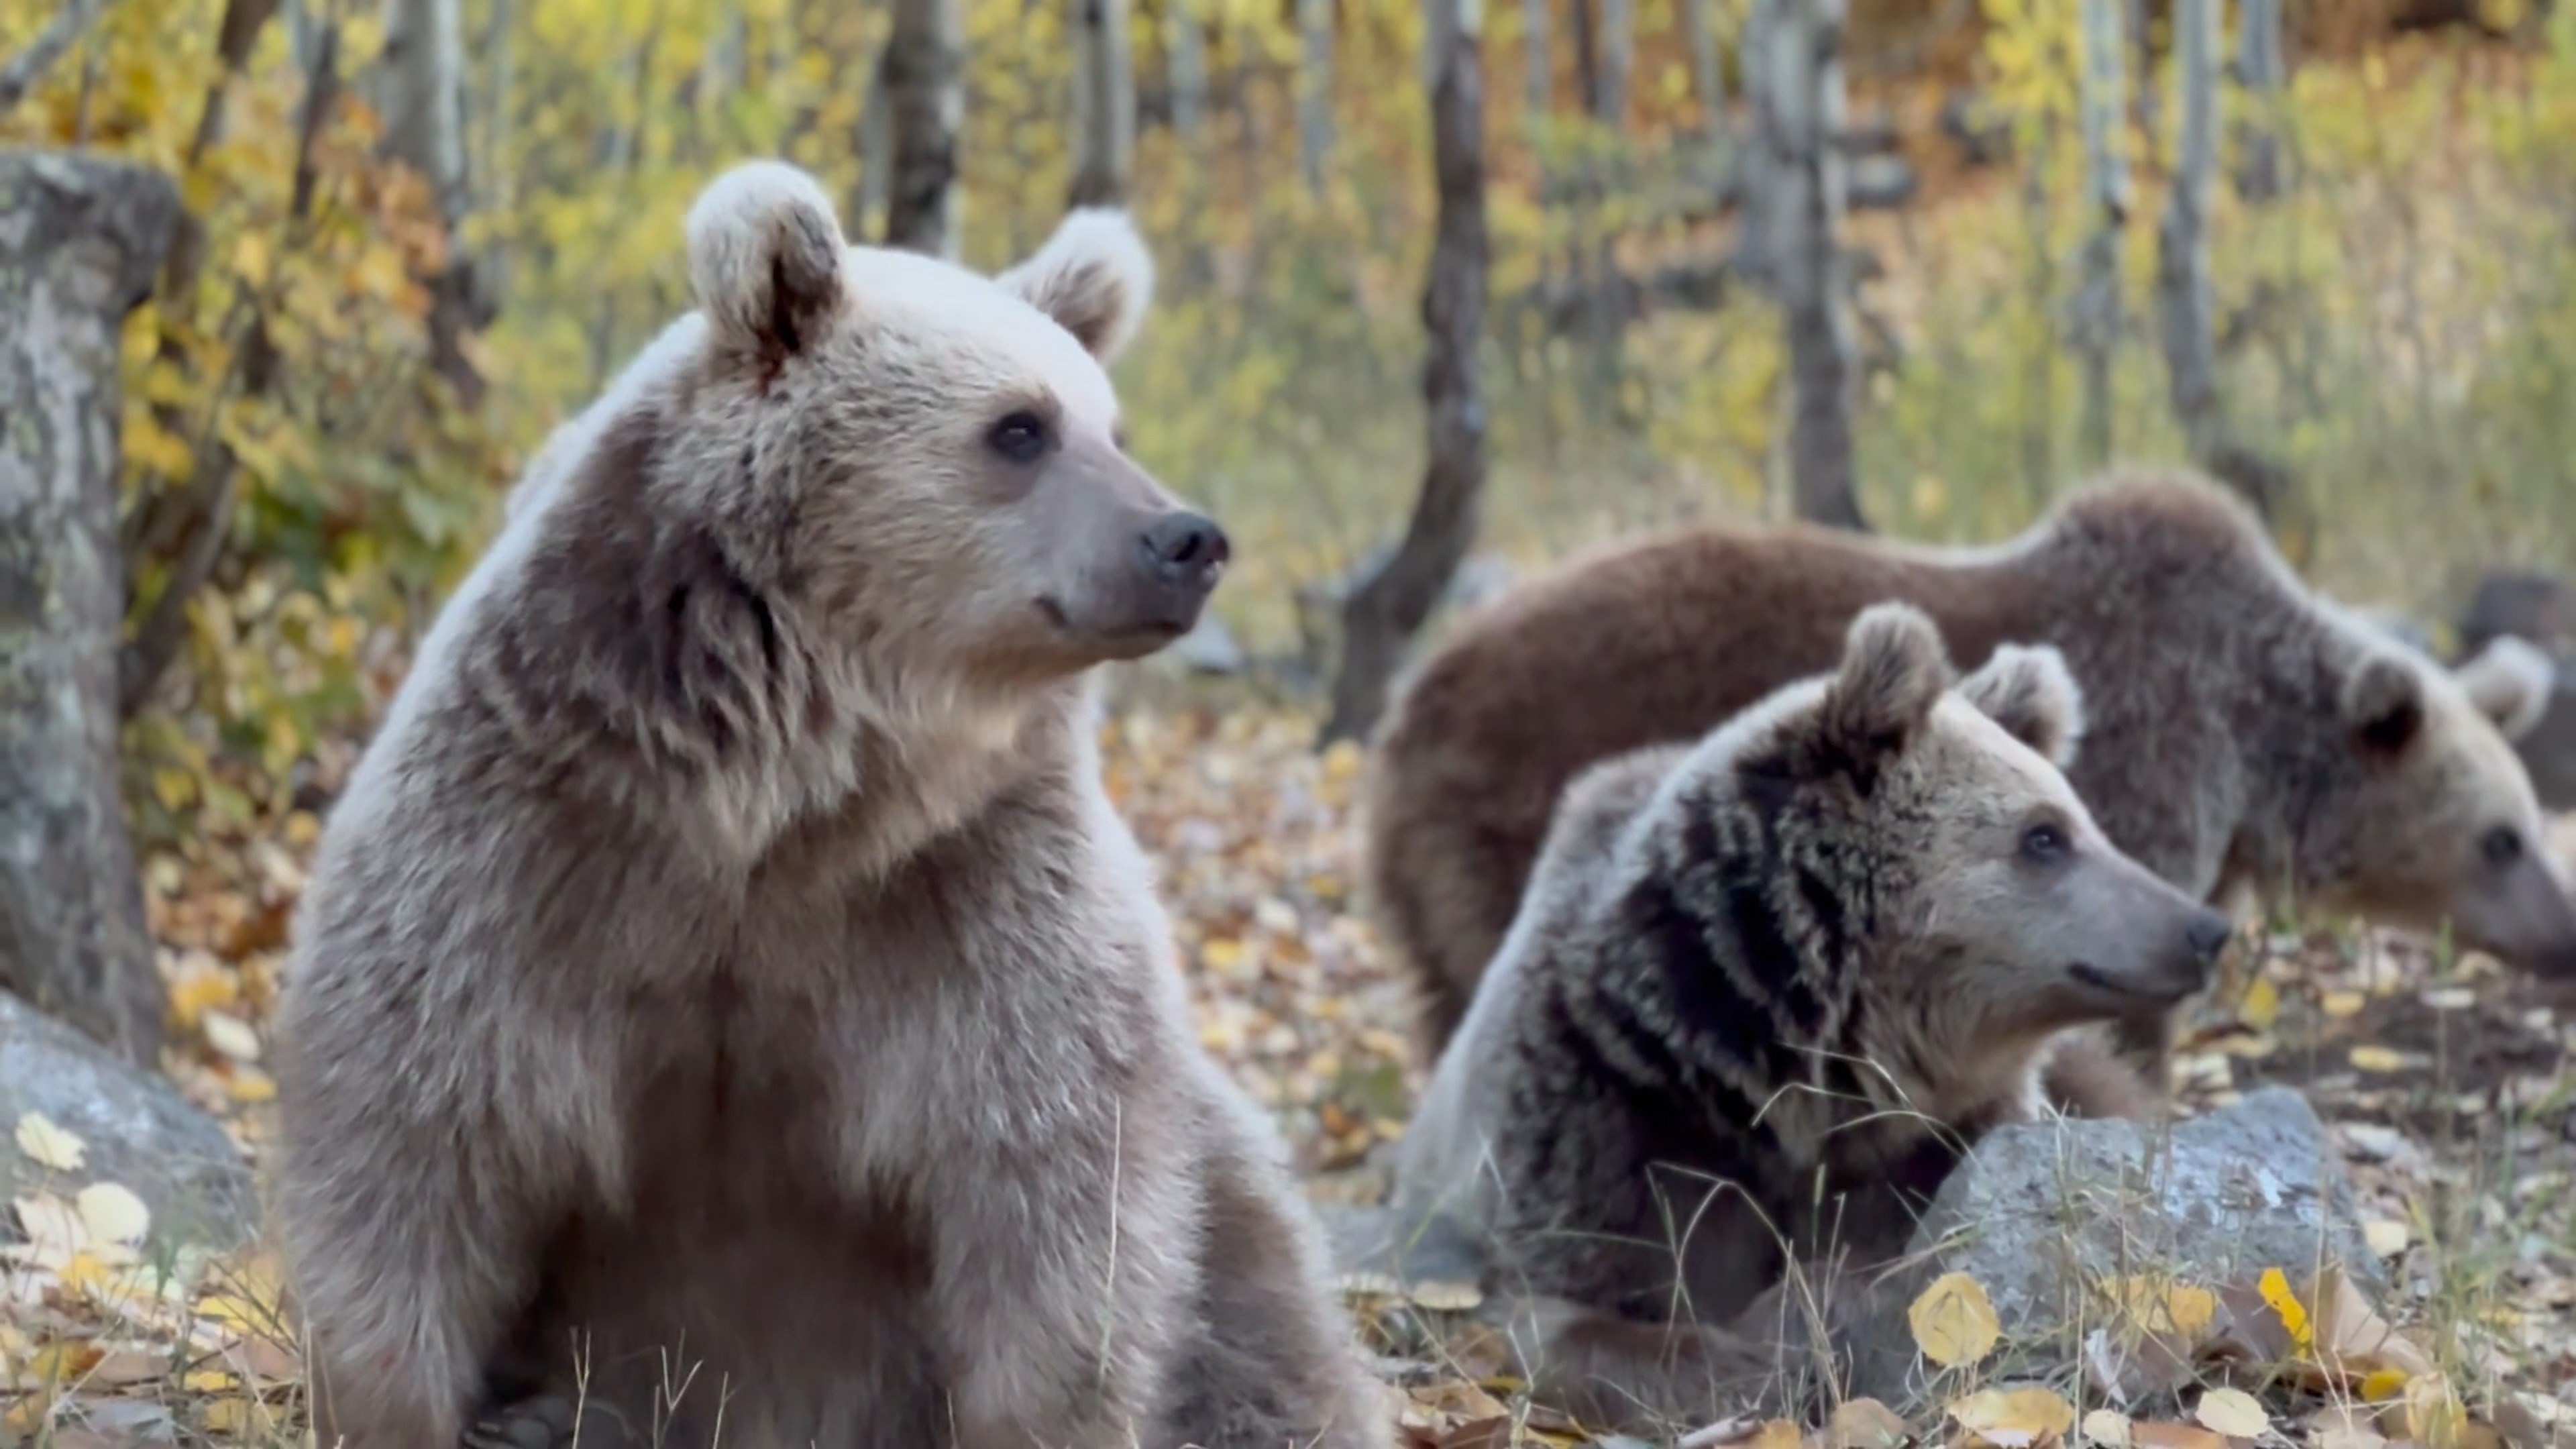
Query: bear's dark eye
point(1023, 437)
point(2502, 846)
point(2043, 843)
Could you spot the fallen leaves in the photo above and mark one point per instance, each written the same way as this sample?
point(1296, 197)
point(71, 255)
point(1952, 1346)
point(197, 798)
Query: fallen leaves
point(2232, 1412)
point(49, 1146)
point(1953, 1321)
point(2013, 1418)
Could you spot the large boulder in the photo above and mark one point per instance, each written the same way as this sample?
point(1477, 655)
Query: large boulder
point(135, 1128)
point(2047, 1216)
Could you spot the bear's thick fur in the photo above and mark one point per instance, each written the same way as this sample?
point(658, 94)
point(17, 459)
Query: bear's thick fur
point(1766, 988)
point(2243, 729)
point(725, 995)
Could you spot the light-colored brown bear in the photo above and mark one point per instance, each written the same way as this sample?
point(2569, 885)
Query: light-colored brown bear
point(726, 997)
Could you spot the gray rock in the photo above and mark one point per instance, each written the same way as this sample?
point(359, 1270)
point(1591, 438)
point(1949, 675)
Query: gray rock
point(2042, 1214)
point(136, 1128)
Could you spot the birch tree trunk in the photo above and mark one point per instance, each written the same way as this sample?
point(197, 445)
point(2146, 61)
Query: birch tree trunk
point(1386, 609)
point(419, 91)
point(1104, 104)
point(1315, 92)
point(2182, 273)
point(2261, 70)
point(875, 145)
point(1708, 72)
point(1616, 50)
point(1185, 51)
point(1799, 128)
point(926, 104)
point(2106, 210)
point(79, 242)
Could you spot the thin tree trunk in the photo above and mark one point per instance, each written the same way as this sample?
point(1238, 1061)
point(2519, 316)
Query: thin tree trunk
point(208, 501)
point(1538, 79)
point(79, 242)
point(1314, 92)
point(1185, 50)
point(1385, 609)
point(2182, 273)
point(497, 183)
point(875, 146)
point(1615, 51)
point(29, 66)
point(1104, 104)
point(419, 91)
point(1708, 72)
point(926, 104)
point(2260, 69)
point(1800, 123)
point(2106, 211)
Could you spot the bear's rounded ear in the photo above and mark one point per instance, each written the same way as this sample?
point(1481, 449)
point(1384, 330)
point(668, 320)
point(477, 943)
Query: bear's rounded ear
point(2027, 690)
point(2510, 681)
point(1094, 277)
point(1893, 672)
point(765, 257)
point(2383, 703)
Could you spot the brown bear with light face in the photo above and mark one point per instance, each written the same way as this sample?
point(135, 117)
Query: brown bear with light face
point(727, 1008)
point(1766, 988)
point(2243, 730)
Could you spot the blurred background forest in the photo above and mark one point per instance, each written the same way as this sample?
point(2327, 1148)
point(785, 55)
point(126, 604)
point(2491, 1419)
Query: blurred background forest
point(1448, 289)
point(420, 234)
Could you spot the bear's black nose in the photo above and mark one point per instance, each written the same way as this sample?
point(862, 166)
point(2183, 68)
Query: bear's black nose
point(2208, 934)
point(1187, 548)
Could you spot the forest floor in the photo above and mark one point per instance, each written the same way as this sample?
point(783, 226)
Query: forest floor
point(2447, 1085)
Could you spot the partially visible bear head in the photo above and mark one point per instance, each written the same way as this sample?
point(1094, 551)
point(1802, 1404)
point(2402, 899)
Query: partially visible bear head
point(1999, 912)
point(2423, 815)
point(924, 464)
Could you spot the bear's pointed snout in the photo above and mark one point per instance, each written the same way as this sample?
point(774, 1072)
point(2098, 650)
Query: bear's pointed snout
point(1186, 551)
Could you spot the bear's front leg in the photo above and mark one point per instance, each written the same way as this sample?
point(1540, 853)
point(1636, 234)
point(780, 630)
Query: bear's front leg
point(1060, 1279)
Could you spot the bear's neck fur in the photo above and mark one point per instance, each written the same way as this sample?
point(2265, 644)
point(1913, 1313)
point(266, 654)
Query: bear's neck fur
point(626, 642)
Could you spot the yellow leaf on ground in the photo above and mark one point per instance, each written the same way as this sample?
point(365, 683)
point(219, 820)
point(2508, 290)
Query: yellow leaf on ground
point(111, 1213)
point(2275, 1288)
point(2340, 1004)
point(2387, 1237)
point(2382, 1386)
point(1774, 1434)
point(2234, 1413)
point(1953, 1320)
point(231, 1035)
point(1865, 1424)
point(2376, 1059)
point(1222, 954)
point(2159, 1434)
point(61, 1363)
point(53, 1229)
point(2432, 1412)
point(2108, 1428)
point(49, 1146)
point(2014, 1418)
point(210, 1381)
point(1447, 1297)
